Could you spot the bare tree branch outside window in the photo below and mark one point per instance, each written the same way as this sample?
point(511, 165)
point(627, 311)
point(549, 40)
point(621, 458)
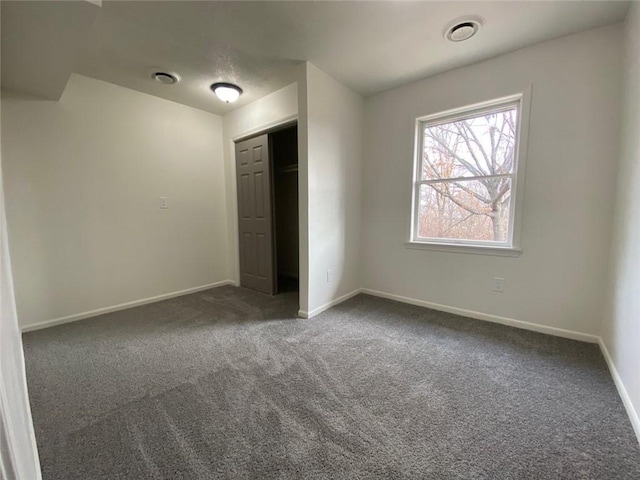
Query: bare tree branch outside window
point(466, 177)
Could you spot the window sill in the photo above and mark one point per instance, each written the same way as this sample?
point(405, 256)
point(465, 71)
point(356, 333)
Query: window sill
point(459, 248)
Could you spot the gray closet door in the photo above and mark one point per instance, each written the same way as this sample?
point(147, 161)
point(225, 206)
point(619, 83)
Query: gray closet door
point(253, 173)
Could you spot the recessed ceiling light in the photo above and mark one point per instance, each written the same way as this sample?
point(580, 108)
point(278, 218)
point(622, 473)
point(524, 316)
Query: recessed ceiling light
point(463, 29)
point(165, 78)
point(227, 92)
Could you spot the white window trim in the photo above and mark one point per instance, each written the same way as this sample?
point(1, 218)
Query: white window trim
point(513, 249)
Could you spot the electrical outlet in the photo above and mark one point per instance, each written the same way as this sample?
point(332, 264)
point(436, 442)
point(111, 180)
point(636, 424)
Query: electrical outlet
point(329, 276)
point(164, 202)
point(498, 284)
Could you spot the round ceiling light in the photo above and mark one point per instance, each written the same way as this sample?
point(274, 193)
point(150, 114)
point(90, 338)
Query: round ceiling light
point(165, 78)
point(227, 92)
point(463, 29)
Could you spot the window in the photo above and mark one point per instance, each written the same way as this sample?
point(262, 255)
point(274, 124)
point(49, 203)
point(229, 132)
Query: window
point(466, 176)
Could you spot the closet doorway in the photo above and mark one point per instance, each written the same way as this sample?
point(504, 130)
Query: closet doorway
point(267, 185)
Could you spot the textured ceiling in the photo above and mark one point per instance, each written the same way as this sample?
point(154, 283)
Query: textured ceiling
point(369, 46)
point(40, 44)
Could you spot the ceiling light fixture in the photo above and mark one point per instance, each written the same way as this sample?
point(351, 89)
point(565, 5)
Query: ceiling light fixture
point(166, 78)
point(463, 29)
point(227, 92)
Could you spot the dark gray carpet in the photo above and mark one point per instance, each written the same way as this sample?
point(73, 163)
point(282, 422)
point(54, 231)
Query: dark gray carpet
point(228, 384)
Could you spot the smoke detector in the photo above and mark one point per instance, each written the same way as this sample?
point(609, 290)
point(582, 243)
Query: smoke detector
point(463, 29)
point(166, 78)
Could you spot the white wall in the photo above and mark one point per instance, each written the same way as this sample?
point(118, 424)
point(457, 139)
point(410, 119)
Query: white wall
point(335, 126)
point(263, 114)
point(18, 451)
point(330, 120)
point(83, 177)
point(303, 187)
point(558, 281)
point(621, 326)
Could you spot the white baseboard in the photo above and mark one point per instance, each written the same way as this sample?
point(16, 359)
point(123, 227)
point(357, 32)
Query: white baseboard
point(122, 306)
point(622, 391)
point(327, 306)
point(558, 332)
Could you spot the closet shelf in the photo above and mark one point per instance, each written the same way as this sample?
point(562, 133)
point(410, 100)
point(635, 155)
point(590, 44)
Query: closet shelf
point(290, 168)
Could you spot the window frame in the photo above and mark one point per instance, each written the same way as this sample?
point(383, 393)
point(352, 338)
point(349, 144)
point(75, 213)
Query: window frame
point(511, 247)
